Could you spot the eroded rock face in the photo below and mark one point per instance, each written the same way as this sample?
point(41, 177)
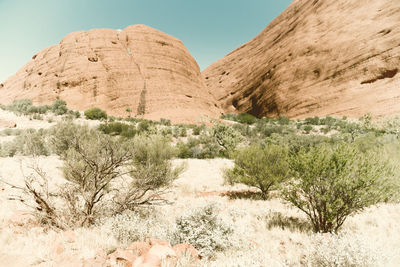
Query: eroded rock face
point(319, 57)
point(139, 68)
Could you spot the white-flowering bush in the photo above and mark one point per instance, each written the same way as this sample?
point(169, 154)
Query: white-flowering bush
point(135, 226)
point(346, 250)
point(203, 229)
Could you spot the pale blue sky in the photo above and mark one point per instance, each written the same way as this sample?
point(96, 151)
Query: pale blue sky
point(209, 28)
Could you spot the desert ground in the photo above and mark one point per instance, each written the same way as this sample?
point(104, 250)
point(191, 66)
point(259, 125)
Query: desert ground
point(370, 236)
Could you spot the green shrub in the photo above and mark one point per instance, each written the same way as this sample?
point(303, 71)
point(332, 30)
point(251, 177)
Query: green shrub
point(59, 107)
point(246, 118)
point(165, 122)
point(198, 129)
point(226, 137)
point(118, 128)
point(295, 143)
point(332, 183)
point(183, 132)
point(143, 126)
point(312, 121)
point(308, 129)
point(95, 114)
point(209, 146)
point(266, 130)
point(62, 135)
point(282, 120)
point(183, 151)
point(241, 118)
point(203, 229)
point(261, 168)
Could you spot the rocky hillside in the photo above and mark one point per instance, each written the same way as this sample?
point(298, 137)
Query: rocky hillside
point(139, 68)
point(319, 57)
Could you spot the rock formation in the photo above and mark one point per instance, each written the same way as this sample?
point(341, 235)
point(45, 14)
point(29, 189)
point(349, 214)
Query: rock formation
point(319, 57)
point(139, 68)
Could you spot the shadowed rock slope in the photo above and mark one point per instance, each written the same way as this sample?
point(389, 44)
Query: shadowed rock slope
point(139, 68)
point(319, 57)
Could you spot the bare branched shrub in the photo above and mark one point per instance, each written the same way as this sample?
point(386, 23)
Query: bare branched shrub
point(92, 163)
point(37, 196)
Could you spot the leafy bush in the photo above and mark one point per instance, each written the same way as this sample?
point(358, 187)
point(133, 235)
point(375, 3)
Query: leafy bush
point(59, 107)
point(295, 143)
point(143, 126)
point(95, 114)
point(332, 183)
point(165, 122)
point(226, 137)
point(203, 229)
point(262, 168)
point(183, 132)
point(266, 130)
point(246, 118)
point(198, 129)
point(62, 135)
point(183, 151)
point(118, 128)
point(282, 120)
point(308, 128)
point(241, 118)
point(312, 121)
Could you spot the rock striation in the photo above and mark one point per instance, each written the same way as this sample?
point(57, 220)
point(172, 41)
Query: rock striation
point(140, 68)
point(318, 58)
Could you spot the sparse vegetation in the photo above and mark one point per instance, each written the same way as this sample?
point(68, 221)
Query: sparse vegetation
point(115, 174)
point(95, 114)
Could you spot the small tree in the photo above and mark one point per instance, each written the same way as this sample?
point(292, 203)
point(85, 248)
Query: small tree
point(258, 167)
point(95, 114)
point(331, 183)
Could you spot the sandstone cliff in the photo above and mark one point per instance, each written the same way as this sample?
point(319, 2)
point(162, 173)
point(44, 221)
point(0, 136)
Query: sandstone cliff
point(319, 57)
point(139, 68)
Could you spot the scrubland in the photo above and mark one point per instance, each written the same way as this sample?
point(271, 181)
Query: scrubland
point(229, 223)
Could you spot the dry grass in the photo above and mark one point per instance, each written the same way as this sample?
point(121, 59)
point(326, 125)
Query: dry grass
point(23, 242)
